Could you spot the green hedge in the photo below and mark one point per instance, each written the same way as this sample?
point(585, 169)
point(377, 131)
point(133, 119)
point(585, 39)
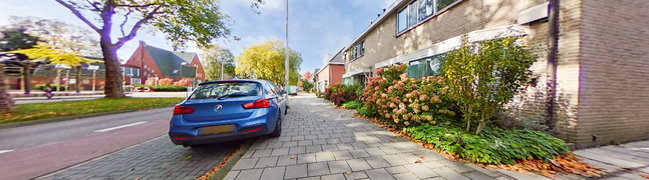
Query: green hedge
point(165, 88)
point(353, 104)
point(41, 86)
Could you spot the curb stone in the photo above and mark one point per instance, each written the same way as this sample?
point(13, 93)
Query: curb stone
point(225, 169)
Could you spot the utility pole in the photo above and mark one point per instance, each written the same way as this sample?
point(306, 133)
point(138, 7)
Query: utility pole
point(286, 69)
point(222, 60)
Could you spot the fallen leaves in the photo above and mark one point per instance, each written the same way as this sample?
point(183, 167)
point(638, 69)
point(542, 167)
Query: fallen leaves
point(209, 174)
point(292, 156)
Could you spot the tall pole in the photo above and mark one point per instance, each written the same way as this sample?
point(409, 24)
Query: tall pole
point(222, 60)
point(286, 70)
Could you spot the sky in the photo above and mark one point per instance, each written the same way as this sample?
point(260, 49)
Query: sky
point(317, 28)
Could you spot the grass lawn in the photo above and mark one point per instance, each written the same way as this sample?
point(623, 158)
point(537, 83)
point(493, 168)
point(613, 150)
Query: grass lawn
point(40, 111)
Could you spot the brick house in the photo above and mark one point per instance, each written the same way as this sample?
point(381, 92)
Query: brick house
point(331, 73)
point(592, 67)
point(152, 62)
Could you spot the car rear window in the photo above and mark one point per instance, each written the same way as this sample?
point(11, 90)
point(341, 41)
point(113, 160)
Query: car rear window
point(218, 90)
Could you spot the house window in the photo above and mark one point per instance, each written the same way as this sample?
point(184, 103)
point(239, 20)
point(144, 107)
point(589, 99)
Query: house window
point(418, 11)
point(412, 13)
point(357, 50)
point(402, 20)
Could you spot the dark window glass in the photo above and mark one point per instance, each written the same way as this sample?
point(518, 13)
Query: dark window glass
point(216, 90)
point(441, 4)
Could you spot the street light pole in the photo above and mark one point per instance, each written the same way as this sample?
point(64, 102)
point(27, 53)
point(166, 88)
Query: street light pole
point(286, 69)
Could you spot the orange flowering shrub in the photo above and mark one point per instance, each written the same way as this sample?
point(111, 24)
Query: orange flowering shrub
point(165, 81)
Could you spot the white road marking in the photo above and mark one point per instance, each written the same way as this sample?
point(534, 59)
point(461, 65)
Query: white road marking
point(5, 151)
point(122, 126)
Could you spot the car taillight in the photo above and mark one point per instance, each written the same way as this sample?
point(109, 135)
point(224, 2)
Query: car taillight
point(180, 109)
point(260, 103)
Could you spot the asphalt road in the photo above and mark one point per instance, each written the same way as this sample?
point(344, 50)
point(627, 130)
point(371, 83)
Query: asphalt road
point(39, 149)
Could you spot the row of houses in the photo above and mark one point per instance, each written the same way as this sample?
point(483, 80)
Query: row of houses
point(592, 68)
point(147, 65)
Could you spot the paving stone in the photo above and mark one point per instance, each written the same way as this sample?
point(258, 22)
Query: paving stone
point(248, 153)
point(333, 140)
point(457, 166)
point(333, 177)
point(396, 169)
point(405, 176)
point(262, 153)
point(250, 174)
point(306, 158)
point(389, 150)
point(297, 150)
point(311, 136)
point(280, 151)
point(329, 147)
point(338, 167)
point(274, 145)
point(318, 169)
point(377, 162)
point(320, 141)
point(344, 146)
point(379, 174)
point(290, 144)
point(313, 148)
point(359, 145)
point(394, 160)
point(342, 155)
point(477, 175)
point(375, 151)
point(273, 173)
point(359, 153)
point(356, 175)
point(310, 178)
point(296, 171)
point(267, 162)
point(420, 171)
point(358, 164)
point(305, 143)
point(433, 164)
point(449, 173)
point(248, 163)
point(324, 156)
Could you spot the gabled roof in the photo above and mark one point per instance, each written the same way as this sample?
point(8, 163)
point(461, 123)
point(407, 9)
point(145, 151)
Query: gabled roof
point(169, 62)
point(338, 58)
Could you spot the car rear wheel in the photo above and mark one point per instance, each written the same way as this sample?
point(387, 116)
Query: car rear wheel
point(278, 127)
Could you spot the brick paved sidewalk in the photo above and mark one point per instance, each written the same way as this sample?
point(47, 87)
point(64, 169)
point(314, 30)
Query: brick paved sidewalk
point(155, 159)
point(319, 142)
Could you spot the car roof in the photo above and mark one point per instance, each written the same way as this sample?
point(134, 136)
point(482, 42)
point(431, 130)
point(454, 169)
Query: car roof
point(234, 81)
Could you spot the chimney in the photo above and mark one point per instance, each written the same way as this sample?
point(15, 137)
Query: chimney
point(142, 43)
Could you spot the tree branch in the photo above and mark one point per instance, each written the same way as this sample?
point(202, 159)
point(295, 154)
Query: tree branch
point(136, 27)
point(78, 14)
point(121, 26)
point(94, 5)
point(135, 6)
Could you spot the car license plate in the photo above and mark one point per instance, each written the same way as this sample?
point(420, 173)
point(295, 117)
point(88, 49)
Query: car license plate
point(216, 129)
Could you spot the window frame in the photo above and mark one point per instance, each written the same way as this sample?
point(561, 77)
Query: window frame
point(434, 13)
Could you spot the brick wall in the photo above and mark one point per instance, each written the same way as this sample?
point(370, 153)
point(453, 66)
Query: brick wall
point(614, 88)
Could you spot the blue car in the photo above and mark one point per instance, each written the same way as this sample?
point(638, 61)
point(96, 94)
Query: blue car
point(219, 111)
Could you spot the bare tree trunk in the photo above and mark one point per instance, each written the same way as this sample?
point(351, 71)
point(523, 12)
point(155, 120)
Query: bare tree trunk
point(113, 88)
point(27, 77)
point(78, 77)
point(6, 104)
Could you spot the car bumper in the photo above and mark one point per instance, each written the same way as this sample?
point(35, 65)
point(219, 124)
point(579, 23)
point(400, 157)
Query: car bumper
point(179, 138)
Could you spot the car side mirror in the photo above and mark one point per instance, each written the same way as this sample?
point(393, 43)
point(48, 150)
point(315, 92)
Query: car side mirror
point(284, 92)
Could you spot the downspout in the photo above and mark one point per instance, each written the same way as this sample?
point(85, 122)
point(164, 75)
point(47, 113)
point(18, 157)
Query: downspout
point(553, 40)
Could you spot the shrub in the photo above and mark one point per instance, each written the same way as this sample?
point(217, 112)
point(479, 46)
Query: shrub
point(339, 93)
point(41, 86)
point(353, 104)
point(493, 146)
point(364, 111)
point(405, 101)
point(165, 88)
point(165, 81)
point(483, 81)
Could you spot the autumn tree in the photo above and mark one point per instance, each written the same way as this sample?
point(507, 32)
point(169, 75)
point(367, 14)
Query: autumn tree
point(266, 61)
point(217, 62)
point(12, 38)
point(57, 55)
point(199, 21)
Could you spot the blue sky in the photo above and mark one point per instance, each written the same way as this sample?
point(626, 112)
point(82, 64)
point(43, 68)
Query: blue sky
point(317, 28)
